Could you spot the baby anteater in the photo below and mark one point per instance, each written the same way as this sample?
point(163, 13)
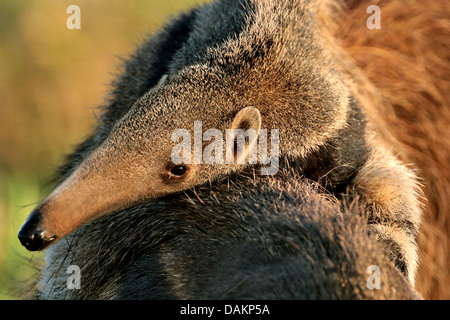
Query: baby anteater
point(232, 65)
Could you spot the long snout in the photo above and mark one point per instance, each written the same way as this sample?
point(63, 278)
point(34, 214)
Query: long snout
point(58, 215)
point(85, 195)
point(64, 210)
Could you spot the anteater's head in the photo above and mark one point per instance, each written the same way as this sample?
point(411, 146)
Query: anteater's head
point(273, 74)
point(135, 163)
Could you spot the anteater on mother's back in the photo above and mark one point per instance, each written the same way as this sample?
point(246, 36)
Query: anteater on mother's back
point(249, 65)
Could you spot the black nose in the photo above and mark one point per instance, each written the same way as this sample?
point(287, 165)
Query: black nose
point(33, 242)
point(31, 235)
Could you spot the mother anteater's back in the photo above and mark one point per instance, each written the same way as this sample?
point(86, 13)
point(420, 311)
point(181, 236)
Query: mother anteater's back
point(243, 238)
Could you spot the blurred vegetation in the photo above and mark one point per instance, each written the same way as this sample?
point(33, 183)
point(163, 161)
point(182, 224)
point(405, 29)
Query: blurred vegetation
point(51, 81)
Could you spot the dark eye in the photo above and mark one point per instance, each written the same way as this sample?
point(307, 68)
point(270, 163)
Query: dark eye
point(179, 171)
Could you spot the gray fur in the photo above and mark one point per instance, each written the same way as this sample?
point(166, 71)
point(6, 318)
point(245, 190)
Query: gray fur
point(218, 59)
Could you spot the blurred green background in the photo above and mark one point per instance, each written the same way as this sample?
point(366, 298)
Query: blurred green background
point(51, 81)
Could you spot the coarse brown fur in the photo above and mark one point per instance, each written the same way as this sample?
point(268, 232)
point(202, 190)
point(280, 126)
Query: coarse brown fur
point(273, 56)
point(405, 68)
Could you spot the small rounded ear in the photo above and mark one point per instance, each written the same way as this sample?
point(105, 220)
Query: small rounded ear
point(246, 123)
point(247, 118)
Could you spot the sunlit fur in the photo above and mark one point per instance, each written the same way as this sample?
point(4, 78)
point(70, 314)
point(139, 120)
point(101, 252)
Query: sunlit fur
point(274, 56)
